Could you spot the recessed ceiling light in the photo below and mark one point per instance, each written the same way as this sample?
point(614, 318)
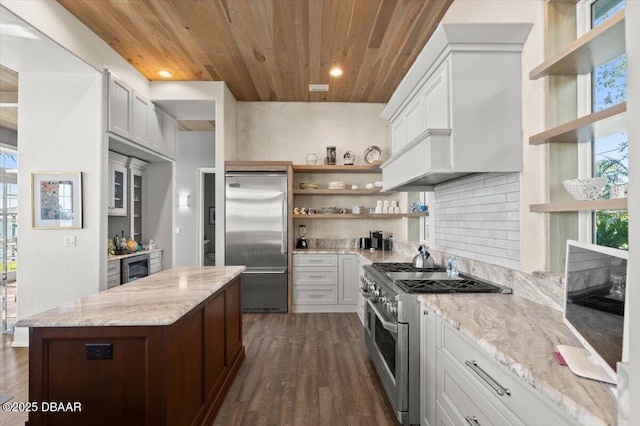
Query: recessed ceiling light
point(166, 74)
point(336, 72)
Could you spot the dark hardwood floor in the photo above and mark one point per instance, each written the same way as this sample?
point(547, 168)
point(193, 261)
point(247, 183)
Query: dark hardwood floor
point(300, 369)
point(305, 369)
point(14, 379)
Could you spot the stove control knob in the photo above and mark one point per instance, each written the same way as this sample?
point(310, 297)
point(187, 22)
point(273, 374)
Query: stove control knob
point(383, 300)
point(376, 292)
point(393, 311)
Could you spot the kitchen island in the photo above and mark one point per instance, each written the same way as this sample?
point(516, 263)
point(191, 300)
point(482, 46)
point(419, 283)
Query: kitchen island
point(162, 350)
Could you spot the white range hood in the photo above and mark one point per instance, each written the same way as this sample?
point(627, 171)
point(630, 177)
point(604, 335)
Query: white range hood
point(458, 111)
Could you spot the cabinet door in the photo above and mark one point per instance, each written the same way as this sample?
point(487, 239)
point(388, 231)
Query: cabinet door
point(169, 126)
point(118, 189)
point(348, 279)
point(214, 351)
point(155, 121)
point(136, 204)
point(399, 135)
point(119, 110)
point(139, 127)
point(233, 321)
point(427, 367)
point(436, 99)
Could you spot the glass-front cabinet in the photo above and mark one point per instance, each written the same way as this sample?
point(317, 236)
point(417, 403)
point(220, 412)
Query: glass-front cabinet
point(136, 186)
point(118, 184)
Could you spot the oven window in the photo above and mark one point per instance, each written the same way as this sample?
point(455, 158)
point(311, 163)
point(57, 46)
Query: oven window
point(386, 343)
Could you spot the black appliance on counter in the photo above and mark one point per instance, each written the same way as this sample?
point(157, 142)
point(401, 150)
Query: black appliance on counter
point(134, 267)
point(378, 242)
point(392, 325)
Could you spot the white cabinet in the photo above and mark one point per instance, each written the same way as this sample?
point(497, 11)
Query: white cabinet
point(361, 299)
point(155, 262)
point(458, 109)
point(132, 116)
point(169, 128)
point(427, 367)
point(113, 273)
point(136, 196)
point(348, 279)
point(325, 282)
point(117, 202)
point(119, 106)
point(139, 119)
point(155, 120)
point(462, 384)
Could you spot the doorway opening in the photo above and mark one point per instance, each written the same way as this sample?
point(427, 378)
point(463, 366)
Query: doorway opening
point(9, 236)
point(209, 217)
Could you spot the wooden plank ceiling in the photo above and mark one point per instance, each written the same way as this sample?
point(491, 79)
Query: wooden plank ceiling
point(270, 50)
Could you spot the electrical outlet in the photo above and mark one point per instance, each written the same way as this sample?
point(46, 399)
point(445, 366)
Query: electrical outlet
point(70, 241)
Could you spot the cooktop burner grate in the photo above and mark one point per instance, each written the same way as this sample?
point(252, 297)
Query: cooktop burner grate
point(447, 286)
point(404, 267)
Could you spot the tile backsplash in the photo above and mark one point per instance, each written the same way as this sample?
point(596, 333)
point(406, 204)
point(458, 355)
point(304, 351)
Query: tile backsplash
point(478, 217)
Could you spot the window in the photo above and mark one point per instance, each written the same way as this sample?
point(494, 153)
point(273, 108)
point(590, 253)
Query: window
point(609, 155)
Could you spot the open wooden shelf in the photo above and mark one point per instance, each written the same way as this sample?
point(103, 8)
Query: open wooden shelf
point(575, 206)
point(597, 47)
point(358, 216)
point(366, 168)
point(587, 128)
point(375, 191)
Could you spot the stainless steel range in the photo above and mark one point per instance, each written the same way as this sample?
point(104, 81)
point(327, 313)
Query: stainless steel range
point(392, 325)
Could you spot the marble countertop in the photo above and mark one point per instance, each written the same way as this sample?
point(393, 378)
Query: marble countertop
point(370, 256)
point(159, 299)
point(135, 253)
point(522, 335)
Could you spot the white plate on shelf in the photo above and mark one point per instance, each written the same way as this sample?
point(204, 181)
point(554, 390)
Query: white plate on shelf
point(372, 154)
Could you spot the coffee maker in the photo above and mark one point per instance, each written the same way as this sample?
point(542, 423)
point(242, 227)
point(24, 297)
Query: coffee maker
point(378, 242)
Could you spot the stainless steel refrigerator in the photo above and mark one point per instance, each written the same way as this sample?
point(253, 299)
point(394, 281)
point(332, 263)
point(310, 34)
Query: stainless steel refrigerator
point(256, 236)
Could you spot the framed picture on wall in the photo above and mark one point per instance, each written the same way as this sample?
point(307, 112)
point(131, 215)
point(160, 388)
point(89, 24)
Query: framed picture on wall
point(56, 200)
point(212, 215)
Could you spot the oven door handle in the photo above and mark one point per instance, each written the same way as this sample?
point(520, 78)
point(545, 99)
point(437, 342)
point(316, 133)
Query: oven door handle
point(388, 325)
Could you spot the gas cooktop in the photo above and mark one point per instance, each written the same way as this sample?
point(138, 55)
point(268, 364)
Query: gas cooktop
point(433, 280)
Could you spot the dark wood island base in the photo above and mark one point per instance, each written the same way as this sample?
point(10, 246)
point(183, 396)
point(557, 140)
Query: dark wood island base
point(175, 374)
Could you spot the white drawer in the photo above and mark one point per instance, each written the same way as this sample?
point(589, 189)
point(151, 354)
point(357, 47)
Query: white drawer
point(113, 267)
point(463, 403)
point(315, 260)
point(155, 255)
point(154, 269)
point(499, 384)
point(307, 275)
point(318, 295)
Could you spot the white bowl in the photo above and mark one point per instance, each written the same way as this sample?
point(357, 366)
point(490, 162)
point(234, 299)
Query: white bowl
point(585, 189)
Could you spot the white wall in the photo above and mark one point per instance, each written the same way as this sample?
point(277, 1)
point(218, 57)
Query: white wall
point(225, 136)
point(65, 29)
point(194, 150)
point(287, 131)
point(533, 226)
point(60, 129)
point(633, 273)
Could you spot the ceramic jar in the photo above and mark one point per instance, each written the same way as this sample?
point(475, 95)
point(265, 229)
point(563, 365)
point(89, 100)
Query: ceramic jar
point(311, 158)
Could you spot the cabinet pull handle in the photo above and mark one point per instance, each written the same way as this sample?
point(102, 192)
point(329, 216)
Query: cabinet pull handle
point(425, 312)
point(315, 277)
point(473, 421)
point(500, 390)
point(315, 296)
